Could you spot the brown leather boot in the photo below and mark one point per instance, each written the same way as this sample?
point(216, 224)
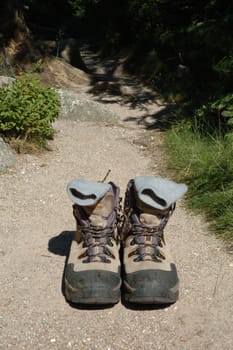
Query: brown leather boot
point(150, 275)
point(92, 274)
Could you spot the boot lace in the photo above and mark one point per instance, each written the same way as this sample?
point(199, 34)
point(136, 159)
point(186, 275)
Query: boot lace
point(97, 240)
point(148, 240)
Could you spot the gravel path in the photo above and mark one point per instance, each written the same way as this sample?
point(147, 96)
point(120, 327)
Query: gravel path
point(37, 223)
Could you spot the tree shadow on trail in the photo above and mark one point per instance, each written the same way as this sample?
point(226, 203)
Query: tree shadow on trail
point(161, 120)
point(110, 83)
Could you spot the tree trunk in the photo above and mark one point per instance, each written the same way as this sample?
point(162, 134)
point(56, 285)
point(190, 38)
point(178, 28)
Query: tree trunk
point(12, 28)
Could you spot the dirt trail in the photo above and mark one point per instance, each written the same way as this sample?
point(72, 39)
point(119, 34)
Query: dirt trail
point(36, 226)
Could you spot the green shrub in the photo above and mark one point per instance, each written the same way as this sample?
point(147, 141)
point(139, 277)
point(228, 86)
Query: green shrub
point(27, 110)
point(38, 66)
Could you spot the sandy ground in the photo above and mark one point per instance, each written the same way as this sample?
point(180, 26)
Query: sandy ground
point(37, 223)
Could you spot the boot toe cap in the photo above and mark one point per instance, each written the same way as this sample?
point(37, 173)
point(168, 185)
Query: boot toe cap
point(152, 286)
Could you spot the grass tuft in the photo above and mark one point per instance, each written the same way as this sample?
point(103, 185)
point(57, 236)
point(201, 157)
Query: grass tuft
point(206, 165)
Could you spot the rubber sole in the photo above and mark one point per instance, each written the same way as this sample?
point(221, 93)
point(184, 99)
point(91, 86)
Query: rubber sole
point(94, 294)
point(151, 299)
point(151, 287)
point(97, 287)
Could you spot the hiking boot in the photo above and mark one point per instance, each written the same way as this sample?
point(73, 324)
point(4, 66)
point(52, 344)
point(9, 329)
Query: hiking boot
point(92, 274)
point(150, 275)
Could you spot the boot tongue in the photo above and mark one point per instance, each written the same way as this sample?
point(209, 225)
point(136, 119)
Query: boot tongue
point(149, 220)
point(99, 213)
point(148, 215)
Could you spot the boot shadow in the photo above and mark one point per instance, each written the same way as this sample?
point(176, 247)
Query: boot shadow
point(60, 245)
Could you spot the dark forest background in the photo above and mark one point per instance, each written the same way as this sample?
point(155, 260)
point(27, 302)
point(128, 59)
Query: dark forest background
point(183, 49)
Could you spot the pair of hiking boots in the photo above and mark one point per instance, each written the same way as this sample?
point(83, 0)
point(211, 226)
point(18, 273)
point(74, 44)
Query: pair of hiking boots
point(117, 249)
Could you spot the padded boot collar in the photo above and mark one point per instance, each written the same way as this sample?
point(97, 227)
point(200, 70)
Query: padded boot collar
point(157, 192)
point(86, 193)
